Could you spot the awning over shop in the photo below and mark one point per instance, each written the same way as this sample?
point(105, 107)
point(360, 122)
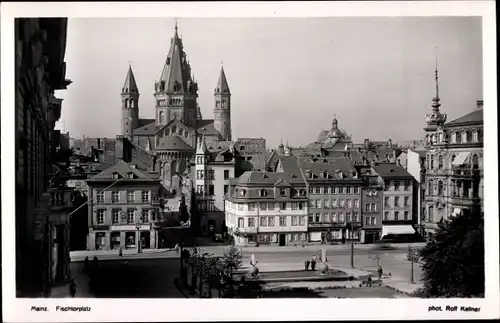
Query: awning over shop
point(456, 211)
point(431, 226)
point(397, 229)
point(460, 159)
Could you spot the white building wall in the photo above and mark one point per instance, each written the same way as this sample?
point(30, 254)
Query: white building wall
point(414, 167)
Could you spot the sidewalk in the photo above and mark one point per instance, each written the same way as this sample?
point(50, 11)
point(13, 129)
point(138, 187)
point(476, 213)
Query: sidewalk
point(81, 281)
point(80, 255)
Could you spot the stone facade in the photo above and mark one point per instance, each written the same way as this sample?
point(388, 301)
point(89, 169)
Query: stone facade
point(42, 251)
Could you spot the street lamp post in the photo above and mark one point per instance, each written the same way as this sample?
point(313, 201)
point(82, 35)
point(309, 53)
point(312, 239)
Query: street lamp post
point(138, 227)
point(351, 228)
point(413, 257)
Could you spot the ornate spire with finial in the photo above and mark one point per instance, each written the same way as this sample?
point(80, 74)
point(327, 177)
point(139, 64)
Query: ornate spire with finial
point(436, 118)
point(436, 99)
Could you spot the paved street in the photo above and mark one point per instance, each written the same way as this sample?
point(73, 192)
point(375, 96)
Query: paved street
point(135, 278)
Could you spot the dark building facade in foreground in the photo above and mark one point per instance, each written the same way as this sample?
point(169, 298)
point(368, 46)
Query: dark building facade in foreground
point(42, 201)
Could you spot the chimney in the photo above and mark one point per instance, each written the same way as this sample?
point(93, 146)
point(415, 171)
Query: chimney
point(119, 148)
point(480, 104)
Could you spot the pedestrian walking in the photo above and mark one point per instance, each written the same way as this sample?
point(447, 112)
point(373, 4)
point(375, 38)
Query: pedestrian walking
point(72, 289)
point(120, 252)
point(380, 272)
point(177, 248)
point(313, 263)
point(306, 263)
point(370, 281)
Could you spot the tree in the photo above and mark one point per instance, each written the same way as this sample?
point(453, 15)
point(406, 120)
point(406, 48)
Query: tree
point(233, 258)
point(184, 214)
point(453, 263)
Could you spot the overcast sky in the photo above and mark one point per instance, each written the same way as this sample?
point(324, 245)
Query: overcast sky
point(288, 76)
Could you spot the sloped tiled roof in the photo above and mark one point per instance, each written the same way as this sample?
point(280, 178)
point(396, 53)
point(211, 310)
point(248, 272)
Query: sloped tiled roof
point(146, 128)
point(130, 86)
point(473, 117)
point(332, 166)
point(173, 143)
point(270, 178)
point(390, 170)
point(206, 127)
point(123, 169)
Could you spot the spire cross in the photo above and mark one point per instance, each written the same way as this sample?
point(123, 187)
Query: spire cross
point(436, 76)
point(129, 63)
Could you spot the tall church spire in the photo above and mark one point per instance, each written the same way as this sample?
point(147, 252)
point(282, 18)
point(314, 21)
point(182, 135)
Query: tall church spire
point(222, 86)
point(436, 99)
point(130, 86)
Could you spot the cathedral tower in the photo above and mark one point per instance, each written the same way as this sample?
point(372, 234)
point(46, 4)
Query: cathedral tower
point(176, 91)
point(435, 120)
point(222, 110)
point(130, 105)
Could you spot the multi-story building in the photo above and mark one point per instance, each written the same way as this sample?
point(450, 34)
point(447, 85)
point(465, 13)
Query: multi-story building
point(371, 205)
point(416, 167)
point(399, 214)
point(212, 171)
point(123, 203)
point(42, 226)
point(267, 208)
point(454, 164)
point(334, 198)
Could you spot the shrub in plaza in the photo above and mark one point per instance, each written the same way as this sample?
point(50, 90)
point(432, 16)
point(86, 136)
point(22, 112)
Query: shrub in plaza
point(453, 262)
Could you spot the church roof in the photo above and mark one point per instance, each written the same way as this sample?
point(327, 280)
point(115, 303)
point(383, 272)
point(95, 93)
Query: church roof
point(176, 71)
point(206, 127)
point(222, 86)
point(130, 86)
point(173, 143)
point(473, 117)
point(123, 169)
point(148, 129)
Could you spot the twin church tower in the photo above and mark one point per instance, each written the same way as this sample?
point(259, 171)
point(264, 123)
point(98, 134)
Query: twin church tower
point(177, 113)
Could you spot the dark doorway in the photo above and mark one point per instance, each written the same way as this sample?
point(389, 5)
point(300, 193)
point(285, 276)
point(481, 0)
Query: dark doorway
point(145, 240)
point(282, 239)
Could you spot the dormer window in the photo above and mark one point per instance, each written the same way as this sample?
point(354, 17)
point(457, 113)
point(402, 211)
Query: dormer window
point(243, 192)
point(116, 176)
point(263, 193)
point(283, 192)
point(325, 175)
point(130, 175)
point(302, 192)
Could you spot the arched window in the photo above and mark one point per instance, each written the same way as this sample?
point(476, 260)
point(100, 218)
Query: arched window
point(126, 103)
point(161, 117)
point(475, 162)
point(440, 161)
point(475, 136)
point(440, 188)
point(430, 187)
point(453, 137)
point(440, 137)
point(464, 137)
point(432, 162)
point(132, 103)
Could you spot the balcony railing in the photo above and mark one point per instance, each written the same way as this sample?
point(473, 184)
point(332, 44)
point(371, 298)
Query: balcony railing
point(61, 197)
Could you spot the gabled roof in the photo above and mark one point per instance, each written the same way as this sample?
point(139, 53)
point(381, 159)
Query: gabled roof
point(475, 117)
point(206, 127)
point(143, 122)
point(123, 169)
point(282, 183)
point(391, 170)
point(173, 143)
point(222, 86)
point(148, 129)
point(130, 86)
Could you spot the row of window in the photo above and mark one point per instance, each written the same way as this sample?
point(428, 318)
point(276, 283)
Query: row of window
point(120, 216)
point(370, 220)
point(283, 192)
point(397, 185)
point(269, 206)
point(115, 197)
point(440, 165)
point(269, 221)
point(318, 204)
point(273, 237)
point(208, 190)
point(334, 217)
point(464, 137)
point(210, 174)
point(387, 201)
point(397, 216)
point(334, 189)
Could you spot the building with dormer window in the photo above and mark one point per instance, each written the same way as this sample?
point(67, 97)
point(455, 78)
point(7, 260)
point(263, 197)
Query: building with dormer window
point(267, 208)
point(119, 199)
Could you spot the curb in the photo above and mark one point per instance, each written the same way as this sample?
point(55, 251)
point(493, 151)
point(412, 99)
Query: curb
point(180, 289)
